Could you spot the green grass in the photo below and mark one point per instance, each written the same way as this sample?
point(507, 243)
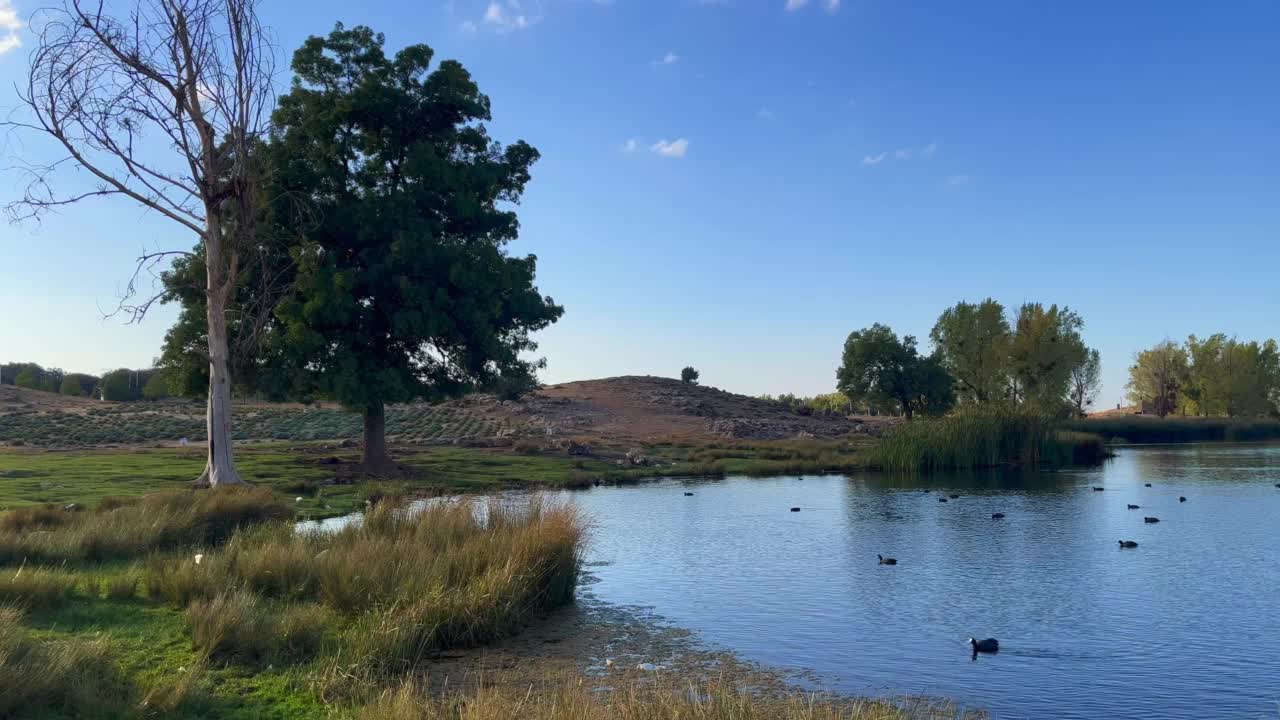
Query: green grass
point(1151, 429)
point(985, 438)
point(268, 623)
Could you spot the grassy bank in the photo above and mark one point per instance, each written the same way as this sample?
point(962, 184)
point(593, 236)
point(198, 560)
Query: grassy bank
point(1150, 429)
point(985, 439)
point(222, 610)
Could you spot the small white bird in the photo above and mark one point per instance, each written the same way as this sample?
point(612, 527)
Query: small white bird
point(199, 557)
point(608, 662)
point(298, 499)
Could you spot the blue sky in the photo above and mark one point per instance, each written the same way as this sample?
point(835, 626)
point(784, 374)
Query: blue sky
point(736, 185)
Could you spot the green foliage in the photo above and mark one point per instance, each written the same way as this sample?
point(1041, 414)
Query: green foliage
point(30, 379)
point(973, 342)
point(59, 678)
point(403, 289)
point(77, 384)
point(1226, 376)
point(157, 388)
point(119, 385)
point(1045, 349)
point(1157, 377)
point(689, 375)
point(1086, 383)
point(985, 438)
point(880, 369)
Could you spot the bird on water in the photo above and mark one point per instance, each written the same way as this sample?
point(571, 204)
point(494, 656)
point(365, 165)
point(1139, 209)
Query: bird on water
point(887, 561)
point(989, 645)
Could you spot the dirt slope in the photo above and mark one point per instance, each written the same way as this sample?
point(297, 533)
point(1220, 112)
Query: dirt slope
point(655, 408)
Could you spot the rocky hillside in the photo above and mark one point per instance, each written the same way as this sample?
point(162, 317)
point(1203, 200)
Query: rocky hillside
point(622, 409)
point(651, 408)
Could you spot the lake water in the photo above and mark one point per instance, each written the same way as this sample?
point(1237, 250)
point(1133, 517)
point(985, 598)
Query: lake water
point(1187, 625)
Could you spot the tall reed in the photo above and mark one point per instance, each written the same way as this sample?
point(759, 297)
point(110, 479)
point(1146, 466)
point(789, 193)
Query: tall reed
point(985, 438)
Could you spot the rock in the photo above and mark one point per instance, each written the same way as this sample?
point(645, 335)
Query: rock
point(635, 456)
point(577, 448)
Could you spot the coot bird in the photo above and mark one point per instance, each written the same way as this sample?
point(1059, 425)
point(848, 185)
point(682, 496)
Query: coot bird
point(997, 516)
point(942, 499)
point(1098, 489)
point(1128, 544)
point(688, 494)
point(1182, 498)
point(954, 497)
point(887, 561)
point(1132, 506)
point(1150, 519)
point(989, 645)
point(795, 509)
point(1149, 485)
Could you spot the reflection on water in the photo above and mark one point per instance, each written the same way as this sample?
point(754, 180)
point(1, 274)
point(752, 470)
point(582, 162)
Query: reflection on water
point(1183, 626)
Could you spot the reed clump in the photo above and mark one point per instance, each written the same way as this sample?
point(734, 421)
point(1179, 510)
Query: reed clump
point(985, 438)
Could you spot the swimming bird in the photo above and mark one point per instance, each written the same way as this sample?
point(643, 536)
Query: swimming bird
point(1150, 519)
point(989, 645)
point(887, 561)
point(1182, 498)
point(1149, 485)
point(1128, 544)
point(1132, 506)
point(954, 497)
point(795, 509)
point(1098, 489)
point(996, 516)
point(942, 499)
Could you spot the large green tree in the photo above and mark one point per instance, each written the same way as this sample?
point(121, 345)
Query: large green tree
point(972, 341)
point(1086, 383)
point(402, 287)
point(1157, 377)
point(1045, 349)
point(878, 368)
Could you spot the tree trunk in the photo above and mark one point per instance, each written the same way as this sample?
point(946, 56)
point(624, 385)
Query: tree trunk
point(375, 457)
point(220, 468)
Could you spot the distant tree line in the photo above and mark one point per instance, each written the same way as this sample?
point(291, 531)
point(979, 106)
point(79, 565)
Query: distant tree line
point(122, 385)
point(982, 355)
point(1216, 376)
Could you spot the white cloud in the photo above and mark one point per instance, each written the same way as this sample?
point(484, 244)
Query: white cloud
point(671, 58)
point(508, 17)
point(10, 24)
point(630, 145)
point(796, 4)
point(468, 27)
point(903, 154)
point(958, 180)
point(672, 148)
point(765, 113)
point(929, 150)
point(831, 5)
point(874, 159)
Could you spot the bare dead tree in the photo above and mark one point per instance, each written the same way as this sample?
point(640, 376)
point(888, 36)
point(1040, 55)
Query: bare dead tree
point(161, 106)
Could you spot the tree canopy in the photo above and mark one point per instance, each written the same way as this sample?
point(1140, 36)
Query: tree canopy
point(392, 211)
point(689, 375)
point(972, 341)
point(879, 369)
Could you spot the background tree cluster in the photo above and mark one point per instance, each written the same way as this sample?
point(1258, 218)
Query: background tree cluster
point(122, 385)
point(1216, 376)
point(981, 355)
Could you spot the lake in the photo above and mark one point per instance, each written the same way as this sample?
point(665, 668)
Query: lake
point(1184, 626)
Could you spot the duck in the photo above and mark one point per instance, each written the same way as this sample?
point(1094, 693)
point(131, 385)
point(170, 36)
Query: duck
point(1098, 489)
point(1149, 485)
point(1133, 507)
point(795, 509)
point(954, 497)
point(688, 494)
point(1150, 519)
point(887, 561)
point(1182, 498)
point(942, 499)
point(997, 516)
point(1128, 544)
point(989, 645)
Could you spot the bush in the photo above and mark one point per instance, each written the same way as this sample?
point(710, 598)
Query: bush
point(71, 386)
point(157, 388)
point(689, 375)
point(34, 588)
